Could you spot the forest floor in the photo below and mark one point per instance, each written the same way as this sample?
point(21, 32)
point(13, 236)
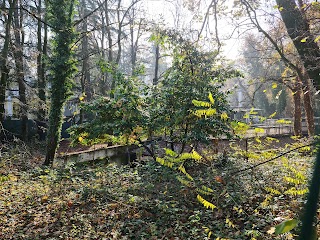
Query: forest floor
point(150, 201)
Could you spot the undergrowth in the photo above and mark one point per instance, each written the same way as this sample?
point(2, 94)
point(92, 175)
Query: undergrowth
point(151, 201)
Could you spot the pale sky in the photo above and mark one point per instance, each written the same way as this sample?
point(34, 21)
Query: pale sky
point(162, 11)
point(165, 10)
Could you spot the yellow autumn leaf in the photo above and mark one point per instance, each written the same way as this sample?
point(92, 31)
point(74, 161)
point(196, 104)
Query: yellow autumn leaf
point(224, 116)
point(317, 39)
point(304, 40)
point(265, 90)
point(81, 98)
point(211, 98)
point(274, 85)
point(259, 130)
point(205, 202)
point(80, 139)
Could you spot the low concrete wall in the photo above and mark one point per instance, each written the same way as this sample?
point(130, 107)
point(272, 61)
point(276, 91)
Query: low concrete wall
point(119, 154)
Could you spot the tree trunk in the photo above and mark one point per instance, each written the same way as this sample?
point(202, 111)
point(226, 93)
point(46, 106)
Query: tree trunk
point(307, 101)
point(4, 70)
point(133, 48)
point(299, 31)
point(118, 57)
point(63, 68)
point(107, 76)
point(297, 127)
point(86, 78)
point(18, 56)
point(134, 42)
point(119, 33)
point(41, 66)
point(156, 67)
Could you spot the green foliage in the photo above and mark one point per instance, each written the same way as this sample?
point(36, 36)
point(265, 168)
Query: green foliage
point(178, 101)
point(174, 108)
point(286, 226)
point(122, 119)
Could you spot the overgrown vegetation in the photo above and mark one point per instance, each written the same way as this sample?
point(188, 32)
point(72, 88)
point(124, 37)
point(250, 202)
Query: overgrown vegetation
point(155, 202)
point(200, 174)
point(135, 112)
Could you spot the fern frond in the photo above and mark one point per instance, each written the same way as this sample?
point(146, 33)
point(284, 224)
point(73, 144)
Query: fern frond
point(205, 190)
point(301, 176)
point(201, 103)
point(266, 201)
point(183, 170)
point(184, 181)
point(196, 155)
point(164, 162)
point(170, 153)
point(294, 180)
point(211, 112)
point(298, 174)
point(295, 192)
point(208, 231)
point(185, 156)
point(211, 98)
point(205, 202)
point(268, 154)
point(173, 159)
point(272, 190)
point(224, 116)
point(230, 223)
point(193, 155)
point(205, 112)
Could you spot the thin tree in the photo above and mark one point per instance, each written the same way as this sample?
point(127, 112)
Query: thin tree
point(4, 69)
point(42, 42)
point(19, 62)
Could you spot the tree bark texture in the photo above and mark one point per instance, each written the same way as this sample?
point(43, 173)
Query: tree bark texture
point(156, 67)
point(18, 56)
point(41, 47)
point(307, 101)
point(297, 127)
point(4, 69)
point(299, 31)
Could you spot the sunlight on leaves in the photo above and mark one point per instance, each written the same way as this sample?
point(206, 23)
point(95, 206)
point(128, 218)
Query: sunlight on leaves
point(224, 116)
point(205, 202)
point(211, 98)
point(259, 130)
